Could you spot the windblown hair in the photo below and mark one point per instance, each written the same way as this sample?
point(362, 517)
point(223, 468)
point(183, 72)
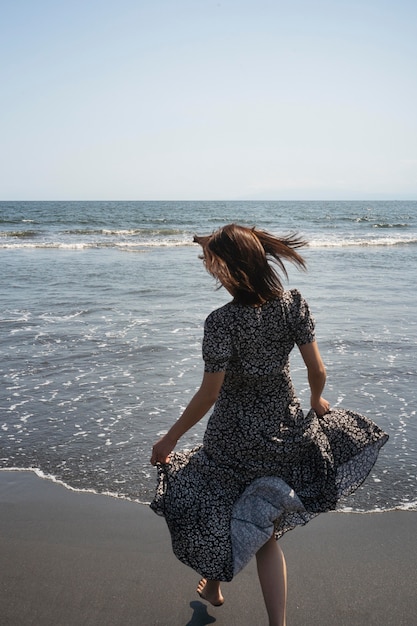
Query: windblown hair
point(239, 258)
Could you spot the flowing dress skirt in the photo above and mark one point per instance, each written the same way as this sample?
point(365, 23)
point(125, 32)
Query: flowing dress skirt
point(223, 502)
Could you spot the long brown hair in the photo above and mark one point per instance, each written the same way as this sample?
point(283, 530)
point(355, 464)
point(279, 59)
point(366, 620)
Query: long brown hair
point(238, 257)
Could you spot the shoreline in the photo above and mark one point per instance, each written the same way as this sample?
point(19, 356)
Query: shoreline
point(74, 558)
point(115, 496)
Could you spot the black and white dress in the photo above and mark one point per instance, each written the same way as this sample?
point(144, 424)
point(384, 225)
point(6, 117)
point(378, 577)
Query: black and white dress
point(264, 464)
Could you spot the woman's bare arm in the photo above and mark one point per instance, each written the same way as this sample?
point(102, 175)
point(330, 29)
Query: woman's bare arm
point(198, 406)
point(316, 376)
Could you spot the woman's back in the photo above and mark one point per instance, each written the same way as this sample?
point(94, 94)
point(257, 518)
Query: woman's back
point(251, 343)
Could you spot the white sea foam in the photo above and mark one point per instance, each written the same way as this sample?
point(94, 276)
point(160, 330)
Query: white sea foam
point(362, 242)
point(57, 481)
point(141, 245)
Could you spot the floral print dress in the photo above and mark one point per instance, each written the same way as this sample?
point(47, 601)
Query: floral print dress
point(264, 465)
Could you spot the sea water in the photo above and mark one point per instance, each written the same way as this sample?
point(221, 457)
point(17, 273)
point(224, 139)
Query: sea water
point(102, 312)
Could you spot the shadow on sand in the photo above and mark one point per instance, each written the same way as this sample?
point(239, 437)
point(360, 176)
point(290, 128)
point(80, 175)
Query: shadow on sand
point(200, 616)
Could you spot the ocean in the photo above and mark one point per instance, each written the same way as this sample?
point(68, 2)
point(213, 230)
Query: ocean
point(102, 312)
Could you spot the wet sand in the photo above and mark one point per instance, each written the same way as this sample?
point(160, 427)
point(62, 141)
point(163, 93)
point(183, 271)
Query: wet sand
point(75, 559)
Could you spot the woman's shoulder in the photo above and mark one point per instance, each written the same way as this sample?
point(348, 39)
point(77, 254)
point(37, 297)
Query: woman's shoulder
point(292, 293)
point(224, 312)
point(292, 296)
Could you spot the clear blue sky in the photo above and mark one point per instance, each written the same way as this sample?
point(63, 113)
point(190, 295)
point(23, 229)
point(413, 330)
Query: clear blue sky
point(208, 99)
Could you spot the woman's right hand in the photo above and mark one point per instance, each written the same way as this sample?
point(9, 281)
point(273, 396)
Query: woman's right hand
point(320, 406)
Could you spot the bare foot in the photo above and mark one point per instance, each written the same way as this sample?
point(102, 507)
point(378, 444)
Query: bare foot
point(210, 590)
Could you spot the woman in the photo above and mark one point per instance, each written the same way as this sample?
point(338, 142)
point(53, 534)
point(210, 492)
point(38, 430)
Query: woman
point(264, 467)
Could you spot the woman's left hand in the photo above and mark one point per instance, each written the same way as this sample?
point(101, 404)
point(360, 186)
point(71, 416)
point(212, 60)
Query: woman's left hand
point(162, 449)
point(198, 406)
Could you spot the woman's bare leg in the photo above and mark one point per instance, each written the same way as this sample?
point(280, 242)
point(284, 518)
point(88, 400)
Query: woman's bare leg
point(210, 590)
point(272, 572)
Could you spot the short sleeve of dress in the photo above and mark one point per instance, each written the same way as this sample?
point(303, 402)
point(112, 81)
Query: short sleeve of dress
point(300, 319)
point(217, 344)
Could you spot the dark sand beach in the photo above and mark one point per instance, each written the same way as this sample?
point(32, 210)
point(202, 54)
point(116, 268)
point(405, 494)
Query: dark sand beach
point(70, 558)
